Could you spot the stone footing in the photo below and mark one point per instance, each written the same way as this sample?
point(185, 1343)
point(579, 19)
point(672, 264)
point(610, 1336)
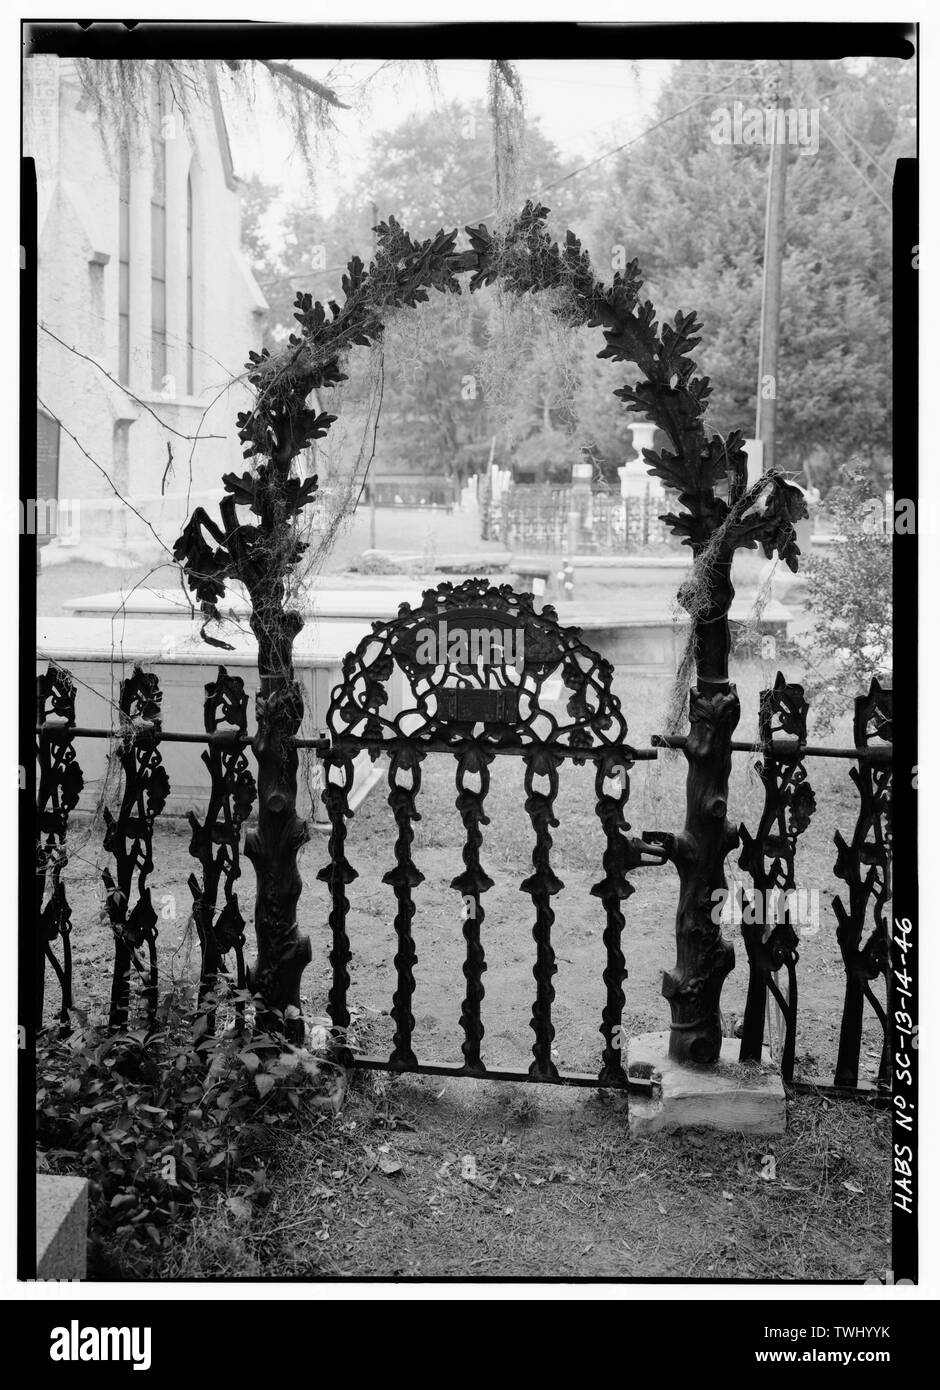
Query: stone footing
point(734, 1096)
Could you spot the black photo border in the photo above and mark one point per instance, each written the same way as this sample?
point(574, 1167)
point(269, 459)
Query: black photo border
point(234, 39)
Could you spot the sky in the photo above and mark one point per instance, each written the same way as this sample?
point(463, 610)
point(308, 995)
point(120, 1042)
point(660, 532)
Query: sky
point(584, 107)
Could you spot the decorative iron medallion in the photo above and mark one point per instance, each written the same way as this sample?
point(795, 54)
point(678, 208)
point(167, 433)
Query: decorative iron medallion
point(476, 659)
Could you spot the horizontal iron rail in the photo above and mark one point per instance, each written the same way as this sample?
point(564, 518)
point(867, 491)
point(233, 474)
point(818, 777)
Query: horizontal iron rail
point(227, 739)
point(640, 1086)
point(781, 749)
point(789, 748)
point(872, 1095)
point(635, 1086)
point(391, 745)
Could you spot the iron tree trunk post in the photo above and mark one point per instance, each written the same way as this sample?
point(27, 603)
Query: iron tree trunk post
point(283, 954)
point(703, 956)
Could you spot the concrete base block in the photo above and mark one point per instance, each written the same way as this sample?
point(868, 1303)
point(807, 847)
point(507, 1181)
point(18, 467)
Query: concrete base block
point(61, 1227)
point(733, 1096)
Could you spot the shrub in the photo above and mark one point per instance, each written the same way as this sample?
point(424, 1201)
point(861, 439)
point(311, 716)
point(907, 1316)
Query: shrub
point(376, 564)
point(152, 1117)
point(849, 593)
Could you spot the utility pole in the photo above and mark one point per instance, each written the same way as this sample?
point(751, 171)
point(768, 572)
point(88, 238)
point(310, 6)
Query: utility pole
point(768, 379)
point(375, 218)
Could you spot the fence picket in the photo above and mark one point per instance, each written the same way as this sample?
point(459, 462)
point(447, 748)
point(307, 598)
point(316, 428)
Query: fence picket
point(770, 859)
point(471, 884)
point(865, 867)
point(336, 874)
point(403, 878)
point(129, 839)
point(542, 886)
point(216, 839)
point(612, 889)
point(59, 785)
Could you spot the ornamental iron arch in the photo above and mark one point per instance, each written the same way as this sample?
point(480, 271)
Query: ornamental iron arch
point(719, 512)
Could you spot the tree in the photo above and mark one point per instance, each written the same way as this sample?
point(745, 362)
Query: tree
point(693, 210)
point(120, 91)
point(436, 170)
point(458, 374)
point(295, 253)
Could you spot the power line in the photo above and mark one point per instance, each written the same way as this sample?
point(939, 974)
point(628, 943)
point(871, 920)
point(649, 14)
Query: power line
point(852, 165)
point(867, 153)
point(105, 474)
point(643, 133)
point(854, 139)
point(127, 391)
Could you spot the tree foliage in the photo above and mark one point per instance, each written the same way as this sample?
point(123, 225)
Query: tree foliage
point(693, 210)
point(120, 93)
point(438, 417)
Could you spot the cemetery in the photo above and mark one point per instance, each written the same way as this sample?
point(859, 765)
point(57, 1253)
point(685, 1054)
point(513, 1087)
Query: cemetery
point(402, 899)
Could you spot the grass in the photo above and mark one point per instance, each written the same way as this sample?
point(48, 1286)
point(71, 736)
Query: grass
point(555, 1189)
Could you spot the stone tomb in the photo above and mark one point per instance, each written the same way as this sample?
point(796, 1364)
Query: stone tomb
point(636, 631)
point(641, 636)
point(347, 604)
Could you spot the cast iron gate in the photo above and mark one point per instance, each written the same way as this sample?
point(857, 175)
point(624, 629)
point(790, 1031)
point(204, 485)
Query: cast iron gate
point(475, 661)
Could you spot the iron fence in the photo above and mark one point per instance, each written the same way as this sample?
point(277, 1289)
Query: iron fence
point(455, 715)
point(544, 518)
